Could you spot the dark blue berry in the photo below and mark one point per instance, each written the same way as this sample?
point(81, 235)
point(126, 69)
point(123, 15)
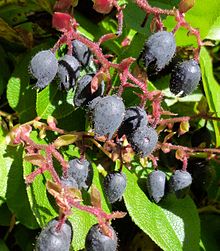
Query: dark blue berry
point(143, 140)
point(114, 185)
point(96, 240)
point(159, 49)
point(180, 182)
point(69, 182)
point(107, 115)
point(185, 78)
point(43, 67)
point(53, 239)
point(156, 182)
point(81, 52)
point(68, 71)
point(81, 171)
point(134, 118)
point(83, 94)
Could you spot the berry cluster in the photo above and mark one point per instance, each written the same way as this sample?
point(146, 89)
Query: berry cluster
point(45, 66)
point(107, 113)
point(158, 51)
point(112, 122)
point(157, 184)
point(142, 137)
point(56, 237)
point(79, 174)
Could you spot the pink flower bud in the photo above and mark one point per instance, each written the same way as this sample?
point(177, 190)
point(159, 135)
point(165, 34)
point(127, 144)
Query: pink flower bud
point(61, 21)
point(103, 6)
point(186, 5)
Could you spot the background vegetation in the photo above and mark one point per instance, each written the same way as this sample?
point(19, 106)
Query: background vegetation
point(192, 223)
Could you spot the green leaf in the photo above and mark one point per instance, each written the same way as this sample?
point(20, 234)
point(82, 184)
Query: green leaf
point(165, 224)
point(44, 208)
point(5, 162)
point(3, 246)
point(9, 34)
point(202, 16)
point(98, 182)
point(212, 89)
point(21, 96)
point(148, 216)
point(45, 4)
point(14, 86)
point(214, 188)
point(210, 231)
point(54, 102)
point(18, 12)
point(16, 195)
point(5, 215)
point(73, 122)
point(185, 223)
point(38, 197)
point(87, 28)
point(83, 221)
point(24, 237)
point(135, 48)
point(134, 16)
point(4, 70)
point(214, 31)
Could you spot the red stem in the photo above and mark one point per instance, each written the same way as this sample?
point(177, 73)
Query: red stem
point(30, 178)
point(188, 149)
point(60, 158)
point(51, 169)
point(181, 22)
point(144, 5)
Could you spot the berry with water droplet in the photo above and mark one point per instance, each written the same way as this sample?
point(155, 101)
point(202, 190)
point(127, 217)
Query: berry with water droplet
point(185, 78)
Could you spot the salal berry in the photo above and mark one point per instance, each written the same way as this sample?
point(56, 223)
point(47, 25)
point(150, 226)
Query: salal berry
point(69, 182)
point(107, 115)
point(159, 49)
point(114, 186)
point(134, 118)
point(96, 240)
point(81, 171)
point(83, 94)
point(53, 239)
point(81, 52)
point(68, 71)
point(185, 78)
point(156, 182)
point(43, 67)
point(180, 182)
point(143, 140)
